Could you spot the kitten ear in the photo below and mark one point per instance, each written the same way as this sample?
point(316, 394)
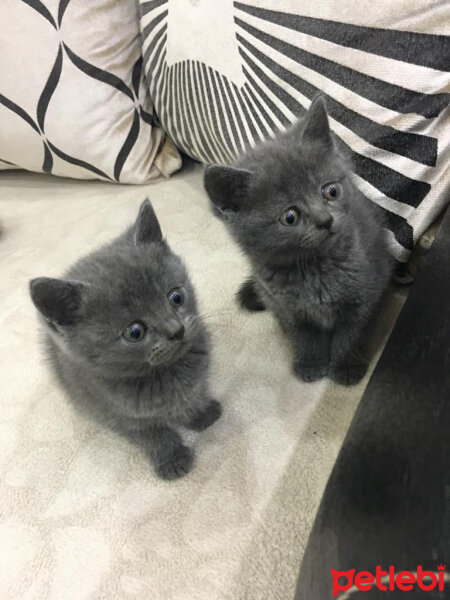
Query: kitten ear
point(226, 188)
point(56, 299)
point(316, 129)
point(147, 229)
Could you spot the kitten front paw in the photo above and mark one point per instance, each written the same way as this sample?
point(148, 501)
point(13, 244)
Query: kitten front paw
point(248, 297)
point(310, 371)
point(178, 465)
point(207, 417)
point(347, 374)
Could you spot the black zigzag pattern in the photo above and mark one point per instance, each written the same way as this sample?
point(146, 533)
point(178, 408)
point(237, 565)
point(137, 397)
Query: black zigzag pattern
point(64, 53)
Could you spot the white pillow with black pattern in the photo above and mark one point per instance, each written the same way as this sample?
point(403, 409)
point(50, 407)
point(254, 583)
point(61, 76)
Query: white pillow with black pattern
point(225, 74)
point(73, 99)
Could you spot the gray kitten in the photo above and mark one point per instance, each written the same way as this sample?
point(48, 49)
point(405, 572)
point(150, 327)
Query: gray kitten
point(126, 342)
point(317, 249)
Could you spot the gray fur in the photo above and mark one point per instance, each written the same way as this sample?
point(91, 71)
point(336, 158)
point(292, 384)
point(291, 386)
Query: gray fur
point(322, 277)
point(142, 390)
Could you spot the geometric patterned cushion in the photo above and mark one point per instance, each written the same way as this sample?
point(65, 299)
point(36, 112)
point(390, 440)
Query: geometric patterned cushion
point(224, 75)
point(73, 98)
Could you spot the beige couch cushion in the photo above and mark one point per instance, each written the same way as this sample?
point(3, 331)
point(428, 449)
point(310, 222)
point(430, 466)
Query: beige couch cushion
point(83, 516)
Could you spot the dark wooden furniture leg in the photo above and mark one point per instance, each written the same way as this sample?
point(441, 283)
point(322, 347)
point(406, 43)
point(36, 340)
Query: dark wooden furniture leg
point(388, 498)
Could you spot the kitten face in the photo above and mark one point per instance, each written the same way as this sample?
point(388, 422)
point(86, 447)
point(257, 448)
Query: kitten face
point(290, 196)
point(133, 319)
point(303, 211)
point(126, 307)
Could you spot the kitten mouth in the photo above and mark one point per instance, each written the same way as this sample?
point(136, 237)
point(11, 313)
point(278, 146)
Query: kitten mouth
point(332, 236)
point(312, 243)
point(327, 236)
point(168, 354)
point(180, 350)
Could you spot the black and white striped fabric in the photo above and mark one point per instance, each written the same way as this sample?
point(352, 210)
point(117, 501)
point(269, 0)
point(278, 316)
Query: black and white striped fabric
point(224, 75)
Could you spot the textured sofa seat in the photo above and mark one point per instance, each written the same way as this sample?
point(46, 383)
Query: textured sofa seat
point(83, 516)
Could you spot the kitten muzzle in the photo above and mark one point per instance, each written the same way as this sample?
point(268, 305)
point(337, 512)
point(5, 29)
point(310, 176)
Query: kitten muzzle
point(167, 353)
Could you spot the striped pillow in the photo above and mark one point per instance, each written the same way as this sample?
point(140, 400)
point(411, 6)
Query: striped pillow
point(223, 78)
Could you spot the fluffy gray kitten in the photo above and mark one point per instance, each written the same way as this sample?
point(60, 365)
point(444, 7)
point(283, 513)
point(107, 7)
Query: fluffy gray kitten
point(126, 342)
point(317, 249)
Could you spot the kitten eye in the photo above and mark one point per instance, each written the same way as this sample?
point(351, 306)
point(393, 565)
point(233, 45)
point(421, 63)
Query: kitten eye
point(134, 332)
point(331, 191)
point(290, 217)
point(176, 297)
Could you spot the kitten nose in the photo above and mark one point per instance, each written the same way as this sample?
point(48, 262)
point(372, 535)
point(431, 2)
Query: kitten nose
point(177, 334)
point(325, 223)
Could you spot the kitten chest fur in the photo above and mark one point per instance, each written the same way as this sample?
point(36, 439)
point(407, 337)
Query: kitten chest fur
point(315, 288)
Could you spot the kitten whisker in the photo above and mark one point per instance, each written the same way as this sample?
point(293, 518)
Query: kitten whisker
point(219, 313)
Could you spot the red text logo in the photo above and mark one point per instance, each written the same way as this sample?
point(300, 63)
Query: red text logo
point(390, 580)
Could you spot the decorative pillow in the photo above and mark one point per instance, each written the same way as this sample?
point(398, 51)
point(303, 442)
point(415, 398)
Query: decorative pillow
point(222, 78)
point(73, 98)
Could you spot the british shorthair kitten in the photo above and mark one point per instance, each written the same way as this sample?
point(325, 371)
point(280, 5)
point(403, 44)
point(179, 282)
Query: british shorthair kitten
point(317, 249)
point(125, 339)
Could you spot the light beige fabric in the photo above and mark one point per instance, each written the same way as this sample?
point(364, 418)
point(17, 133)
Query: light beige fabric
point(82, 515)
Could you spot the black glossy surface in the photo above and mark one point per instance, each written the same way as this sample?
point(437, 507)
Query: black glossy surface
point(388, 498)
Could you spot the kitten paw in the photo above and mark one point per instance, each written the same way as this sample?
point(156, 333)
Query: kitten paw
point(248, 297)
point(310, 371)
point(207, 417)
point(346, 374)
point(178, 465)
